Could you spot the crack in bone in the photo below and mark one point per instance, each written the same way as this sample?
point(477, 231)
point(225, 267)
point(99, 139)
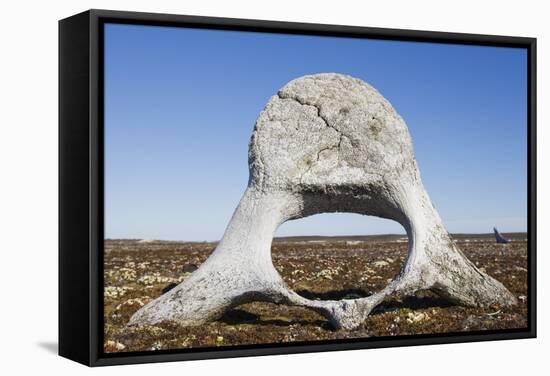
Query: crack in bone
point(281, 95)
point(341, 134)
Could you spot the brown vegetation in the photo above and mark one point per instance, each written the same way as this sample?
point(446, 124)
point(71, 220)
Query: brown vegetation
point(318, 268)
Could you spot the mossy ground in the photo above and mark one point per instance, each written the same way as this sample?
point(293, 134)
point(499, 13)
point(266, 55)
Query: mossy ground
point(136, 272)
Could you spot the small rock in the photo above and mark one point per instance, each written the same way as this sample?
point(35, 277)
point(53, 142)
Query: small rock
point(190, 268)
point(413, 317)
point(111, 345)
point(380, 264)
point(119, 346)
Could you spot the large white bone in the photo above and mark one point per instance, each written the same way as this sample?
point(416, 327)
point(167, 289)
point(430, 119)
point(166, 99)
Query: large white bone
point(325, 143)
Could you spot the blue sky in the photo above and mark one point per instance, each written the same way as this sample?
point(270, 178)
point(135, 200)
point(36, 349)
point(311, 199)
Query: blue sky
point(180, 105)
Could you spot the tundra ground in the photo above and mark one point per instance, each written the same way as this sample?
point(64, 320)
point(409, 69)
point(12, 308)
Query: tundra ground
point(136, 272)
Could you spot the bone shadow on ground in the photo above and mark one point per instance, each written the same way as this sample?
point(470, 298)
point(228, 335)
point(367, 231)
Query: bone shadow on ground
point(412, 302)
point(238, 316)
point(334, 294)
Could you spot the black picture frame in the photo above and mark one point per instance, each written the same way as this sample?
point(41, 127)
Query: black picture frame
point(81, 185)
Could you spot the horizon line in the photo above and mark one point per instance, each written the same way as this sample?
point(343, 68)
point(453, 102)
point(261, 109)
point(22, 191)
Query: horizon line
point(320, 236)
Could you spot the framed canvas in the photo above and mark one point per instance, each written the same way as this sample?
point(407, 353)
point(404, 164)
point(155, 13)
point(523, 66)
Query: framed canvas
point(235, 187)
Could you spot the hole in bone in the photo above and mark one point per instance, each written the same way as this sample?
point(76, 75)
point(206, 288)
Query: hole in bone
point(339, 267)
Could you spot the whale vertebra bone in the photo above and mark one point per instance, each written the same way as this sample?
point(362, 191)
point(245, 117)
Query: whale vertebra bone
point(326, 143)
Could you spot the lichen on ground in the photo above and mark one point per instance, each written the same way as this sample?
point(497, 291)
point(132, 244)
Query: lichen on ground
point(325, 268)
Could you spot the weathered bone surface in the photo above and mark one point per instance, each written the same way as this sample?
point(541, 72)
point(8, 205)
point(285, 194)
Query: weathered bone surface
point(326, 143)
